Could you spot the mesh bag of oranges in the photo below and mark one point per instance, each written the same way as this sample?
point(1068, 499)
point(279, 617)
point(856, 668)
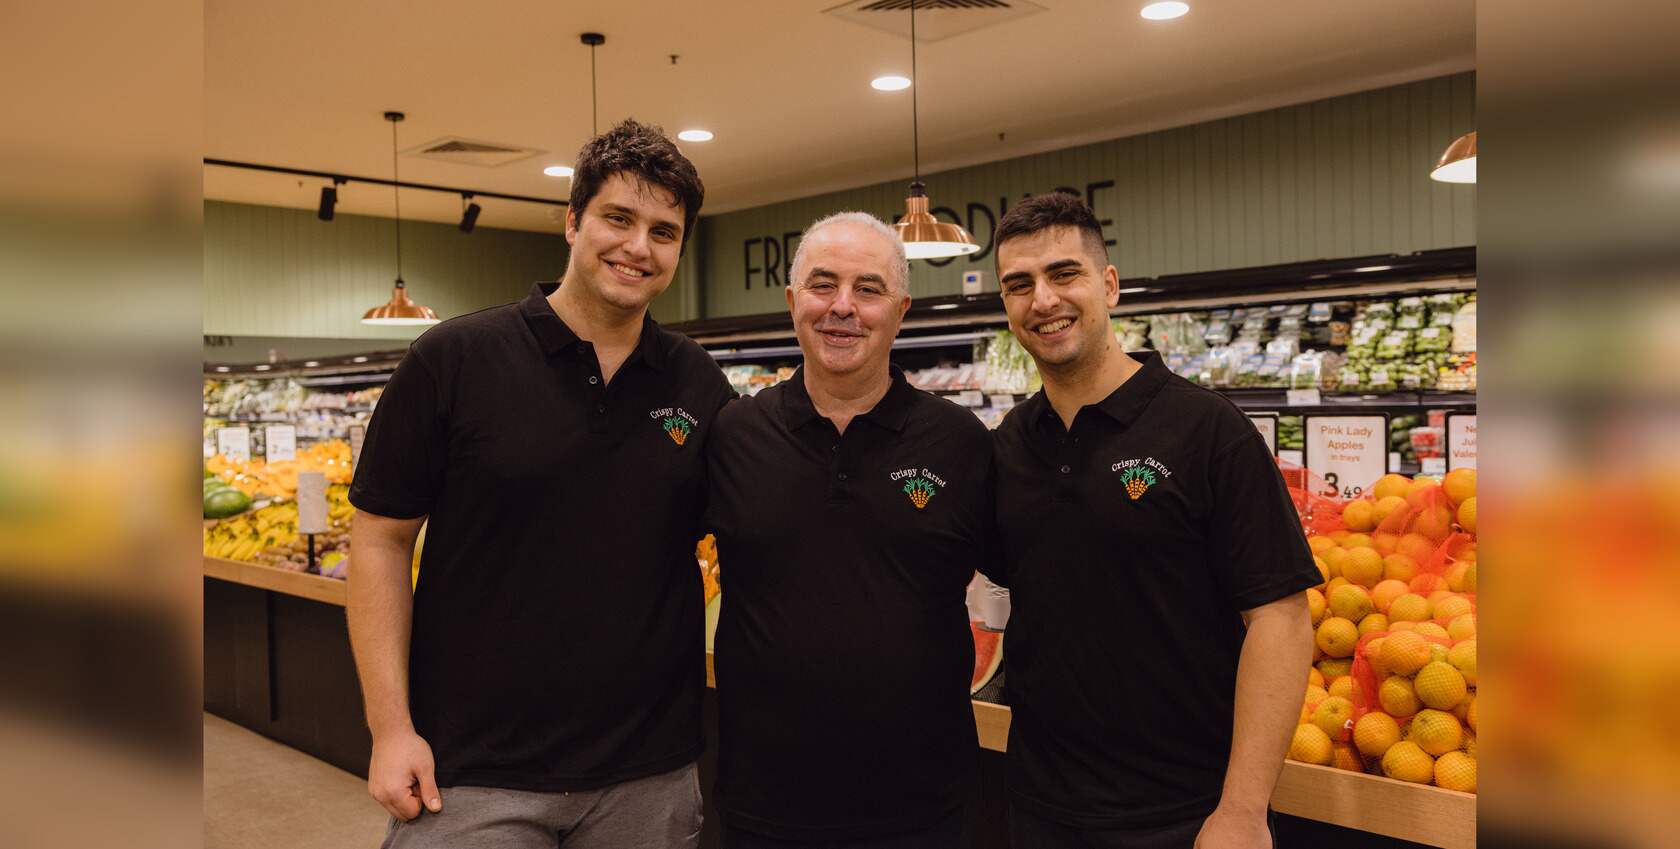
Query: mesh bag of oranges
point(1401, 561)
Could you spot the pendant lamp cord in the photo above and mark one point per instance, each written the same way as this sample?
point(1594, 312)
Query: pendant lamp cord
point(594, 97)
point(396, 197)
point(915, 119)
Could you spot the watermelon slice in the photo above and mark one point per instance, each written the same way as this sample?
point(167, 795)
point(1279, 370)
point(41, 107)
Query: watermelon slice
point(988, 655)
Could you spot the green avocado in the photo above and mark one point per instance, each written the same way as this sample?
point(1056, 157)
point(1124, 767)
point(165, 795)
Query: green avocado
point(225, 502)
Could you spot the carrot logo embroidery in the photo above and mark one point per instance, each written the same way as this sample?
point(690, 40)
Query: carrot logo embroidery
point(920, 490)
point(676, 422)
point(1138, 480)
point(676, 428)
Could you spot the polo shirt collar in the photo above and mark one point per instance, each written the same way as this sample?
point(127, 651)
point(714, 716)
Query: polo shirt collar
point(891, 412)
point(1128, 400)
point(554, 336)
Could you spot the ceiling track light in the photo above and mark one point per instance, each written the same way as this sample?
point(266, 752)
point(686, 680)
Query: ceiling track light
point(469, 213)
point(329, 200)
point(923, 235)
point(400, 310)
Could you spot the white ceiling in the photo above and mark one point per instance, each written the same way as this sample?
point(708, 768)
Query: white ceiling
point(784, 86)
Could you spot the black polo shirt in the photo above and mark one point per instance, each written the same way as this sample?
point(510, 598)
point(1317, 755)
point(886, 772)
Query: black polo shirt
point(1131, 545)
point(843, 652)
point(556, 640)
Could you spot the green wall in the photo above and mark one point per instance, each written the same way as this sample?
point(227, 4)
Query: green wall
point(1342, 177)
point(271, 271)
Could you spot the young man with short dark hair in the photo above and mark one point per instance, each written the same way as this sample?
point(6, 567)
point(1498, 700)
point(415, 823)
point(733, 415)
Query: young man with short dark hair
point(1158, 637)
point(541, 685)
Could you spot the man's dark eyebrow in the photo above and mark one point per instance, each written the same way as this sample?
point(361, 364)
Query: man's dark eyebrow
point(819, 271)
point(1060, 264)
point(624, 210)
point(1016, 275)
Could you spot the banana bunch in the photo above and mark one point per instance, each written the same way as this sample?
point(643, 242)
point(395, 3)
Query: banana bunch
point(339, 509)
point(244, 536)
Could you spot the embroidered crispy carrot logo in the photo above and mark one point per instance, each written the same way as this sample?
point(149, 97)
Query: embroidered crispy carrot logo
point(919, 490)
point(677, 428)
point(1137, 480)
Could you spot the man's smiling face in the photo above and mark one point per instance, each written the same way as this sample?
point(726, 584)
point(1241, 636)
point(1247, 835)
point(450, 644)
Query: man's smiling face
point(625, 246)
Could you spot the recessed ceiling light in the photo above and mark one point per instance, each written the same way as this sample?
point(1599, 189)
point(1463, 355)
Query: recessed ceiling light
point(695, 135)
point(223, 369)
point(264, 367)
point(1165, 11)
point(312, 363)
point(359, 360)
point(1132, 290)
point(558, 170)
point(890, 83)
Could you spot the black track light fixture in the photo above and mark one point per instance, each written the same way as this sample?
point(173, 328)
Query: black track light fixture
point(329, 200)
point(469, 213)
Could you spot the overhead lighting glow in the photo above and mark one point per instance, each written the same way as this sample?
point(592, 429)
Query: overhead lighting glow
point(359, 360)
point(892, 82)
point(264, 367)
point(1132, 290)
point(1165, 11)
point(1458, 164)
point(312, 363)
point(695, 135)
point(223, 369)
point(558, 170)
point(1374, 268)
point(944, 306)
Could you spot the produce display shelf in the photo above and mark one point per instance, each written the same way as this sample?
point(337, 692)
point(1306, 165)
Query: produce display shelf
point(1398, 809)
point(1417, 812)
point(300, 584)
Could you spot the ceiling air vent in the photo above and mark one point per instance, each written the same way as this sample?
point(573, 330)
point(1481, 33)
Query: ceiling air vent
point(935, 19)
point(470, 152)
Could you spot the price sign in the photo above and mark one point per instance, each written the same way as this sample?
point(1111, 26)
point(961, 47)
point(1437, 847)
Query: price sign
point(358, 434)
point(234, 443)
point(312, 503)
point(1304, 398)
point(280, 442)
point(1267, 424)
point(1348, 452)
point(1461, 441)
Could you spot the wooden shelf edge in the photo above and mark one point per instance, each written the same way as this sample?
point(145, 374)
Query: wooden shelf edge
point(300, 584)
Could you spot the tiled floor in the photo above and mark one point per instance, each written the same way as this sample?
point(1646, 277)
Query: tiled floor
point(259, 794)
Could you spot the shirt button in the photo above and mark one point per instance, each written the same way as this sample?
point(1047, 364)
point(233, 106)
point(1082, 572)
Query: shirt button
point(835, 448)
point(593, 380)
point(1067, 470)
point(600, 408)
point(842, 475)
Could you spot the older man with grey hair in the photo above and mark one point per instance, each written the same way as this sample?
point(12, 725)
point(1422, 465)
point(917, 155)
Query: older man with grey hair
point(851, 510)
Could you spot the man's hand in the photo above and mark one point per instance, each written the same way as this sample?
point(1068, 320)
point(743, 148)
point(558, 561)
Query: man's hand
point(1227, 829)
point(400, 775)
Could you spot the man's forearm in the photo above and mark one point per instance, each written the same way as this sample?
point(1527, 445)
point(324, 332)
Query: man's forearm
point(380, 611)
point(1270, 676)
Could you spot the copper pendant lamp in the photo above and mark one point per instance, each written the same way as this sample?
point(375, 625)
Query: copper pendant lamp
point(924, 236)
point(1458, 164)
point(400, 310)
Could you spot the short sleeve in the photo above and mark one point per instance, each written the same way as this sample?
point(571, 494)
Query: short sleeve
point(401, 469)
point(1258, 548)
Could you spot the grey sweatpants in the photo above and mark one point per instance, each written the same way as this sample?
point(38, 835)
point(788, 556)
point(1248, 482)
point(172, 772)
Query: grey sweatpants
point(656, 812)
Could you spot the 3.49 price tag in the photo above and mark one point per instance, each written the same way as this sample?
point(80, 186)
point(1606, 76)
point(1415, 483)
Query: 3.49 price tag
point(1349, 452)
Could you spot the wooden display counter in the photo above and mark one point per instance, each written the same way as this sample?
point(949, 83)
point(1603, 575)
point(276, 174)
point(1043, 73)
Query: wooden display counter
point(277, 660)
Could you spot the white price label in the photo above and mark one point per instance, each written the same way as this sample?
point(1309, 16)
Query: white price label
point(1002, 402)
point(358, 434)
point(1430, 332)
point(1433, 465)
point(1349, 452)
point(970, 398)
point(280, 443)
point(234, 443)
point(1267, 425)
point(1379, 376)
point(312, 503)
point(1304, 398)
point(1350, 378)
point(1461, 442)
